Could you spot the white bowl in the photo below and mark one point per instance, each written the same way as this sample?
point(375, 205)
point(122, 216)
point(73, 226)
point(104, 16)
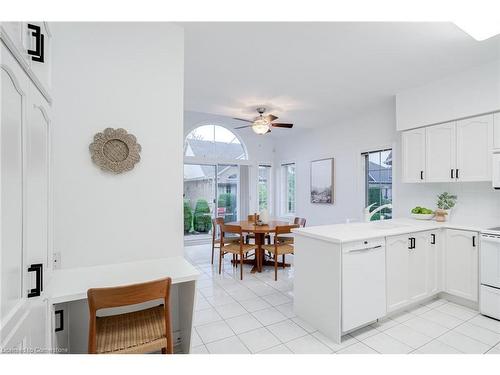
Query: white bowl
point(422, 216)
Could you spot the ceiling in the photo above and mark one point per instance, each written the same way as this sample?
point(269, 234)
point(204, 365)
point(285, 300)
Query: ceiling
point(314, 74)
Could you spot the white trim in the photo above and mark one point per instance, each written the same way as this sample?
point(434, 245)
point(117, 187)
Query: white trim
point(9, 44)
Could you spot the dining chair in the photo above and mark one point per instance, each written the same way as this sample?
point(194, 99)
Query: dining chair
point(216, 230)
point(142, 331)
point(238, 248)
point(279, 247)
point(298, 221)
point(251, 236)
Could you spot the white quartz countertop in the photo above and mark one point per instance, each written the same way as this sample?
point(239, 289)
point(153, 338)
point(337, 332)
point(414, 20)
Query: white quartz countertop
point(339, 233)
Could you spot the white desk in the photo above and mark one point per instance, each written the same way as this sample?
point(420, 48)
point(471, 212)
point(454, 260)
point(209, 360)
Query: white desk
point(71, 285)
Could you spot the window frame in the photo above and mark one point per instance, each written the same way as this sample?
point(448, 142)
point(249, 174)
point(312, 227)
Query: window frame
point(285, 191)
point(366, 169)
point(268, 184)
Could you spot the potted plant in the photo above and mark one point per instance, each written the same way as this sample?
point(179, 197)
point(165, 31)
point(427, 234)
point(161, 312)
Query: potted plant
point(445, 203)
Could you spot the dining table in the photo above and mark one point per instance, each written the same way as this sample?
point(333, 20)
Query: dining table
point(260, 231)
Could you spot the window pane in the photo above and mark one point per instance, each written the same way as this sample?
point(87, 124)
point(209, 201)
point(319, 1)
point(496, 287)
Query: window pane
point(264, 177)
point(214, 142)
point(378, 180)
point(290, 183)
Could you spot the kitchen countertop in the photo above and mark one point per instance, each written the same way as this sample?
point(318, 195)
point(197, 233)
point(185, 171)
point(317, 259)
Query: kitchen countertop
point(341, 233)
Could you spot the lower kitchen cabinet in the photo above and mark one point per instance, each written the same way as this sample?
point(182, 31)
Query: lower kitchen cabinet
point(412, 262)
point(461, 264)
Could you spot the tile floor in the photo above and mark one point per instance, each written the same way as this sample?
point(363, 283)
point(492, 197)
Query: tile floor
point(256, 316)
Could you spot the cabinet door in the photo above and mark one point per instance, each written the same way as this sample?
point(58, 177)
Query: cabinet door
point(417, 266)
point(440, 145)
point(496, 131)
point(413, 151)
point(434, 262)
point(397, 271)
point(462, 264)
point(474, 146)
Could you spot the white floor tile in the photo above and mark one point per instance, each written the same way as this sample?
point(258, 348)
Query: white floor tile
point(364, 332)
point(308, 345)
point(426, 327)
point(254, 304)
point(219, 300)
point(402, 316)
point(214, 331)
point(206, 316)
point(200, 349)
point(286, 330)
point(485, 322)
point(408, 336)
point(441, 318)
point(269, 316)
point(243, 294)
point(308, 327)
point(276, 299)
point(435, 303)
point(286, 309)
point(279, 349)
point(243, 323)
point(386, 344)
point(457, 311)
point(195, 338)
point(346, 341)
point(231, 345)
point(259, 340)
point(493, 351)
point(478, 333)
point(202, 304)
point(437, 347)
point(420, 309)
point(384, 324)
point(263, 290)
point(358, 348)
point(230, 310)
point(463, 343)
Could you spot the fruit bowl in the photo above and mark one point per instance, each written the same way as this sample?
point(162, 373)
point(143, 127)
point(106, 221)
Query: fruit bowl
point(422, 216)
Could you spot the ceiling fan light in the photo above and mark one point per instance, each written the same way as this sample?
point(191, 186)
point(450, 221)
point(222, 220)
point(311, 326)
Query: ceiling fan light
point(260, 126)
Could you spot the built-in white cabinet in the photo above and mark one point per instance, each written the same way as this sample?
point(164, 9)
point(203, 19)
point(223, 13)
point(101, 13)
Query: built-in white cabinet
point(461, 264)
point(413, 142)
point(411, 268)
point(496, 131)
point(454, 151)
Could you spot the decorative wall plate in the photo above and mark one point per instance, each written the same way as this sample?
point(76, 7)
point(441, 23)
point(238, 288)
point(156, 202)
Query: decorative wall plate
point(115, 150)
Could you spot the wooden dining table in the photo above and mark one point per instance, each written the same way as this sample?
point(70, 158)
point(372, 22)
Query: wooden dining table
point(260, 232)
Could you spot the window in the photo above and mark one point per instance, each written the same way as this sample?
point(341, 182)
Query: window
point(288, 171)
point(264, 187)
point(214, 142)
point(378, 181)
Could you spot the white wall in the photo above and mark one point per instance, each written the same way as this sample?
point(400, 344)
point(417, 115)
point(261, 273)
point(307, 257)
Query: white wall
point(471, 92)
point(126, 75)
point(345, 141)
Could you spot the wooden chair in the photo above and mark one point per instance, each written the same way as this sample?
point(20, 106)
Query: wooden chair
point(135, 332)
point(236, 248)
point(301, 222)
point(251, 236)
point(216, 224)
point(279, 247)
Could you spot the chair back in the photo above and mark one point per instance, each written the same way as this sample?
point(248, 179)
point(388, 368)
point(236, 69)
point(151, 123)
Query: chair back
point(300, 221)
point(236, 229)
point(284, 229)
point(253, 217)
point(216, 225)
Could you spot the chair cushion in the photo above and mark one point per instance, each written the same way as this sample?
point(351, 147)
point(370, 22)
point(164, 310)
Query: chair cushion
point(235, 248)
point(286, 239)
point(135, 332)
point(282, 249)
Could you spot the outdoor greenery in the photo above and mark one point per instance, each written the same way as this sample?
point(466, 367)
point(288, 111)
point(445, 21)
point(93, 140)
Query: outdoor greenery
point(262, 196)
point(446, 201)
point(374, 196)
point(228, 201)
point(202, 221)
point(188, 216)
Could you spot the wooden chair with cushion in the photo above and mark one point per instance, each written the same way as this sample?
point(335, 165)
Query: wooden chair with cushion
point(251, 236)
point(298, 221)
point(280, 247)
point(141, 331)
point(216, 224)
point(238, 248)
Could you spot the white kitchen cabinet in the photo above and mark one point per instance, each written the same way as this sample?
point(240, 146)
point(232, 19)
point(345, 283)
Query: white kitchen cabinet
point(461, 259)
point(474, 146)
point(418, 266)
point(397, 271)
point(434, 262)
point(496, 131)
point(413, 146)
point(440, 146)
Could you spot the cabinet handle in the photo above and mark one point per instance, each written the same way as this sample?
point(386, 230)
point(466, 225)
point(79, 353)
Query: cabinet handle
point(38, 269)
point(412, 243)
point(473, 241)
point(38, 52)
point(456, 173)
point(452, 174)
point(421, 175)
point(61, 320)
point(433, 239)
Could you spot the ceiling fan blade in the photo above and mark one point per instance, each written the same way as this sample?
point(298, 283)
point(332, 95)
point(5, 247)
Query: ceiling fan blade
point(282, 125)
point(271, 117)
point(269, 131)
point(242, 119)
point(242, 127)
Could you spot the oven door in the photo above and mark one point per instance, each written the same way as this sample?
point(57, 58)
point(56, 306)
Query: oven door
point(490, 260)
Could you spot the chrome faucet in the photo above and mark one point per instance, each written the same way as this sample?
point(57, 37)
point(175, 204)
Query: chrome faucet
point(369, 215)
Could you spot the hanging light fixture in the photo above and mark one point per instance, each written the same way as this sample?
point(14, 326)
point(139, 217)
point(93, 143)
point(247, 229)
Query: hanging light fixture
point(261, 125)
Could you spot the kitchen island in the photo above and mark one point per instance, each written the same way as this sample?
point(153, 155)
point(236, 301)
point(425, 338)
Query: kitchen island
point(349, 275)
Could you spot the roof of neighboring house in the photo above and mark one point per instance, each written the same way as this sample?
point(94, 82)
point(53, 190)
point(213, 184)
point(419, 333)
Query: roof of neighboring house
point(379, 173)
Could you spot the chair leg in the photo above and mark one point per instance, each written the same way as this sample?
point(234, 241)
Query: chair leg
point(276, 267)
point(220, 261)
point(241, 266)
point(283, 260)
point(163, 350)
point(213, 248)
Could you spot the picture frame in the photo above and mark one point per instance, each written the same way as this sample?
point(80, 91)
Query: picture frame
point(323, 181)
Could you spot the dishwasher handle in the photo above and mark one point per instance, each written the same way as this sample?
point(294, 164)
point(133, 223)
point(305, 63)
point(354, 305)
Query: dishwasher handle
point(364, 249)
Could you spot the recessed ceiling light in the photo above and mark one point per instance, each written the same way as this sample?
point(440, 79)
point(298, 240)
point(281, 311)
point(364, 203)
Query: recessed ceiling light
point(480, 30)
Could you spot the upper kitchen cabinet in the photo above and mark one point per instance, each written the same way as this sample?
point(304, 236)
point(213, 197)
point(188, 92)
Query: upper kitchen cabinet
point(440, 148)
point(413, 145)
point(474, 146)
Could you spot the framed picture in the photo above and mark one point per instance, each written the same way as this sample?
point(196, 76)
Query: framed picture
point(322, 181)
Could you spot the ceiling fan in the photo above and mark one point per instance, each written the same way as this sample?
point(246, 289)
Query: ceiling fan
point(262, 124)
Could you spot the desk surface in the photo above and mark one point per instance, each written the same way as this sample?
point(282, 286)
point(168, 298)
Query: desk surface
point(71, 284)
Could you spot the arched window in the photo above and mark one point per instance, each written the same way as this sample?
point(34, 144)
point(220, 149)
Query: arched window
point(214, 142)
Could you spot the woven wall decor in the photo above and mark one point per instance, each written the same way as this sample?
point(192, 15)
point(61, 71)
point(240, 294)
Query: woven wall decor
point(115, 150)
